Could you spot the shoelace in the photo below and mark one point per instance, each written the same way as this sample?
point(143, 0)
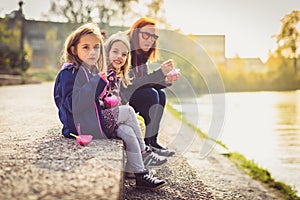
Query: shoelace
point(156, 157)
point(151, 179)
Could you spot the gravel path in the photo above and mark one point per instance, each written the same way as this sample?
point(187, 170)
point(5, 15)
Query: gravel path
point(183, 183)
point(30, 153)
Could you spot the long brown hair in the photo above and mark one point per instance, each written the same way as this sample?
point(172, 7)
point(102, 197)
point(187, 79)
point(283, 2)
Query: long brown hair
point(73, 40)
point(134, 38)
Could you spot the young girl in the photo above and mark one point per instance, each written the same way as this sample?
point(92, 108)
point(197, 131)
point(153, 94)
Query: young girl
point(118, 61)
point(78, 87)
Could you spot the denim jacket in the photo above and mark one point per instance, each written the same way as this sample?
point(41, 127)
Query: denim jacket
point(76, 94)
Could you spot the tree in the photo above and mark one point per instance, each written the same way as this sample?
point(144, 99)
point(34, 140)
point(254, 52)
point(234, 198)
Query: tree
point(83, 11)
point(13, 59)
point(73, 11)
point(289, 37)
point(125, 5)
point(156, 12)
point(80, 11)
point(154, 8)
point(104, 12)
point(123, 11)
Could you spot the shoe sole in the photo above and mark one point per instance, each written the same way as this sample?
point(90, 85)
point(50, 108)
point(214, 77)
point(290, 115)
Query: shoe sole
point(147, 188)
point(155, 166)
point(164, 154)
point(158, 165)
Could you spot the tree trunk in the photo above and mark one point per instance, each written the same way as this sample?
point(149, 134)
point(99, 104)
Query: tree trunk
point(295, 65)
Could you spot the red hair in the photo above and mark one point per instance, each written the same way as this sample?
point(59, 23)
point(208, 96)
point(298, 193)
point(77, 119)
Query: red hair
point(134, 37)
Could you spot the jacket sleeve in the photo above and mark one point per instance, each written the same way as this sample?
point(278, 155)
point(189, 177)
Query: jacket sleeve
point(154, 79)
point(63, 90)
point(86, 92)
point(57, 91)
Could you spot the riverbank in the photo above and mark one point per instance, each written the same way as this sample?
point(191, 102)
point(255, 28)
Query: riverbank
point(249, 167)
point(262, 126)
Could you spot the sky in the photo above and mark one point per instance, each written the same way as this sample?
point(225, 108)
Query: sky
point(248, 25)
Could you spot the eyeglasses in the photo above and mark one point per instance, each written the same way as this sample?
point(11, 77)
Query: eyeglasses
point(146, 36)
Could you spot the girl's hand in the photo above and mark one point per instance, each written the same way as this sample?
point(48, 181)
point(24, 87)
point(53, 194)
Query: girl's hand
point(167, 66)
point(103, 75)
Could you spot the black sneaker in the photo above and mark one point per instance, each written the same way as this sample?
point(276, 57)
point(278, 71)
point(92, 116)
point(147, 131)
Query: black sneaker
point(129, 175)
point(151, 159)
point(163, 151)
point(146, 181)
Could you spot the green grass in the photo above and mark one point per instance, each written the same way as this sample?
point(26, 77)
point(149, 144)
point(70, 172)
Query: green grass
point(248, 166)
point(263, 175)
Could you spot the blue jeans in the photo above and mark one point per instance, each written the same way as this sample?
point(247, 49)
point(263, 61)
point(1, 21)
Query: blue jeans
point(150, 103)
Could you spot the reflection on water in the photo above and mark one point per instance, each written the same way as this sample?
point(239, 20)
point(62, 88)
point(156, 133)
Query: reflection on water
point(263, 126)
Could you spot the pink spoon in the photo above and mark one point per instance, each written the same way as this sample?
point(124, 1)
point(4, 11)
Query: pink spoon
point(82, 140)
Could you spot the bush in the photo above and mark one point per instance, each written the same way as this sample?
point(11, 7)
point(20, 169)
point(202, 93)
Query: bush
point(13, 61)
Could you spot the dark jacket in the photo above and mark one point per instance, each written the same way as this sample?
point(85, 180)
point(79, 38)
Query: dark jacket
point(76, 95)
point(141, 78)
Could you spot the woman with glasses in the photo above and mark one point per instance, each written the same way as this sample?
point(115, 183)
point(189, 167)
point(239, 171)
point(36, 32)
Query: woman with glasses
point(146, 94)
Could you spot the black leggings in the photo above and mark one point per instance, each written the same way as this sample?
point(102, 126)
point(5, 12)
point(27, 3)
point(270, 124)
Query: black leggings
point(150, 103)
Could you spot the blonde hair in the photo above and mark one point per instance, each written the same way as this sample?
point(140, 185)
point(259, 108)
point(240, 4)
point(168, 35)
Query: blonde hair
point(73, 40)
point(124, 72)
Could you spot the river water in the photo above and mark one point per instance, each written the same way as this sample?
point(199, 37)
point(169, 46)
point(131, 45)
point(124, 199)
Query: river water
point(263, 126)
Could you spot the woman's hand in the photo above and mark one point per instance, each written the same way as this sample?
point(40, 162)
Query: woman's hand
point(172, 76)
point(167, 66)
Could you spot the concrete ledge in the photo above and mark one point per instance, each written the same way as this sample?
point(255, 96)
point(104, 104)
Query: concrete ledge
point(58, 168)
point(37, 162)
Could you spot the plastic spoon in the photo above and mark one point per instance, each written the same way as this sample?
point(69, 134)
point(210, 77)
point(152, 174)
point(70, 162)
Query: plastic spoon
point(82, 140)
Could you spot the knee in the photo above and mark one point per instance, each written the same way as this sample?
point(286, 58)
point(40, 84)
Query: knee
point(131, 110)
point(125, 132)
point(162, 97)
point(145, 98)
point(156, 97)
point(128, 136)
point(152, 96)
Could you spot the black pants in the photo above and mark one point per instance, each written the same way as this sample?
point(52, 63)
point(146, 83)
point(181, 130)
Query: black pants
point(150, 103)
